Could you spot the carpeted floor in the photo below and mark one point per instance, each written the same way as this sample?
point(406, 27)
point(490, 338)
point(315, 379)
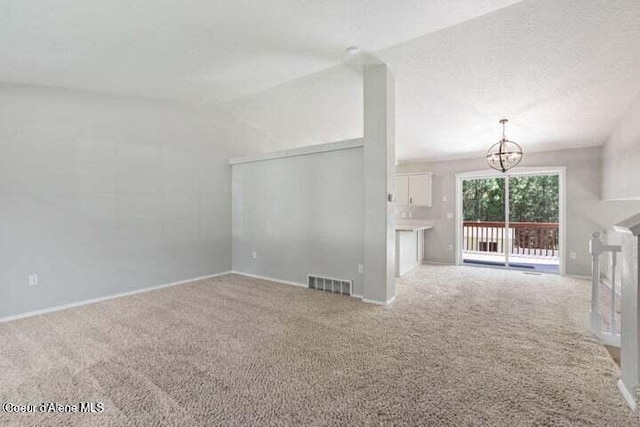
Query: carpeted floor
point(459, 346)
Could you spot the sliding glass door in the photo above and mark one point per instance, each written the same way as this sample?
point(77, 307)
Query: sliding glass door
point(483, 233)
point(534, 220)
point(511, 221)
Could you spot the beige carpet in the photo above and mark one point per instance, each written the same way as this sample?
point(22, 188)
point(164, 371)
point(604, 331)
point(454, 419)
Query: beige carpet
point(460, 346)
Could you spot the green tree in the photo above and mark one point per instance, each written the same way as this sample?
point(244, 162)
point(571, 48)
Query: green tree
point(532, 199)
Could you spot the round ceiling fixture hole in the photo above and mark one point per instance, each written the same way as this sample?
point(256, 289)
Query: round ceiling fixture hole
point(353, 50)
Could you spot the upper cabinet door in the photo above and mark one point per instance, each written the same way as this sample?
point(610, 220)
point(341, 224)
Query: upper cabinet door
point(420, 190)
point(401, 183)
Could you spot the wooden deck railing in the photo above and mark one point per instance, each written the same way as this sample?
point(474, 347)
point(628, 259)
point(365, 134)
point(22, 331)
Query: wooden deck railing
point(536, 239)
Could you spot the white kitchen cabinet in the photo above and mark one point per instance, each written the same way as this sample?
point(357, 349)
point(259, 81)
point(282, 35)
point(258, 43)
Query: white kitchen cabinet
point(413, 189)
point(402, 189)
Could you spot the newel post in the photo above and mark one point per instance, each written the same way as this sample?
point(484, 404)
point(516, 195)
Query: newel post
point(629, 383)
point(595, 248)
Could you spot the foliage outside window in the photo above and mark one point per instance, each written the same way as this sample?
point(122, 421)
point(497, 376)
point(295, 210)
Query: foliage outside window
point(532, 199)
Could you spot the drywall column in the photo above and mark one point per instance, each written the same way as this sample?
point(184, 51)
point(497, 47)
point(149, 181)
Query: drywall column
point(629, 335)
point(379, 166)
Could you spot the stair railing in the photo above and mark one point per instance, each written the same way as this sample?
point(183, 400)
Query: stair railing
point(597, 248)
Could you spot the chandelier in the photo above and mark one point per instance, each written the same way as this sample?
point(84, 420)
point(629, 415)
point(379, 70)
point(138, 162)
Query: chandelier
point(504, 154)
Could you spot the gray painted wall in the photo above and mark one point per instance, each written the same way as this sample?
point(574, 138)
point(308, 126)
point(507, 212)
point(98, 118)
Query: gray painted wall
point(300, 215)
point(585, 209)
point(379, 160)
point(621, 171)
point(102, 195)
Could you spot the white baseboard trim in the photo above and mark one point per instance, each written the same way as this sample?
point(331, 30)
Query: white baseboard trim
point(628, 396)
point(302, 285)
point(376, 302)
point(399, 275)
point(607, 339)
point(425, 262)
point(576, 276)
point(270, 279)
point(373, 301)
point(105, 298)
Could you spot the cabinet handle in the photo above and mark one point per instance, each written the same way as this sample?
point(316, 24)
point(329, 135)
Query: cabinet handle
point(410, 200)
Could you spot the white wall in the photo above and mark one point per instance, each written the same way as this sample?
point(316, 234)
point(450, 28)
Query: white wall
point(319, 108)
point(586, 211)
point(323, 213)
point(621, 171)
point(101, 195)
point(301, 215)
point(379, 162)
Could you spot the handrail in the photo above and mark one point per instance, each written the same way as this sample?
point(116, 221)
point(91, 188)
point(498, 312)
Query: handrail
point(597, 248)
point(501, 224)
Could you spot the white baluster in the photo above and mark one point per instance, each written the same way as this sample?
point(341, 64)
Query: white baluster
point(595, 248)
point(614, 330)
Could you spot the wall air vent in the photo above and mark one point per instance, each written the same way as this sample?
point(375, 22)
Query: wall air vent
point(329, 284)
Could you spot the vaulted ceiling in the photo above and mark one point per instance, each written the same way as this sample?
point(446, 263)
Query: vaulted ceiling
point(212, 50)
point(563, 71)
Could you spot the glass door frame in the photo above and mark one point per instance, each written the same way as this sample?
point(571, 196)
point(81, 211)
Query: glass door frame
point(561, 171)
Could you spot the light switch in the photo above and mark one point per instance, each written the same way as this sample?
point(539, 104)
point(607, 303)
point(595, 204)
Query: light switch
point(444, 198)
point(449, 215)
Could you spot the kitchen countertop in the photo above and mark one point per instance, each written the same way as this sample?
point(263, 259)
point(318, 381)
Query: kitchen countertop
point(416, 225)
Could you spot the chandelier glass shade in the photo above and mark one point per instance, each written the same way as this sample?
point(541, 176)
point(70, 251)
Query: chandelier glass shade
point(504, 154)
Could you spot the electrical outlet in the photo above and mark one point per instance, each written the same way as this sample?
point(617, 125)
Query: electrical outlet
point(444, 198)
point(33, 279)
point(573, 255)
point(449, 215)
point(254, 255)
point(450, 247)
point(360, 269)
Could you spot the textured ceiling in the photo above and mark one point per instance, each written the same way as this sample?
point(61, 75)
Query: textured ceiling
point(204, 50)
point(563, 71)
